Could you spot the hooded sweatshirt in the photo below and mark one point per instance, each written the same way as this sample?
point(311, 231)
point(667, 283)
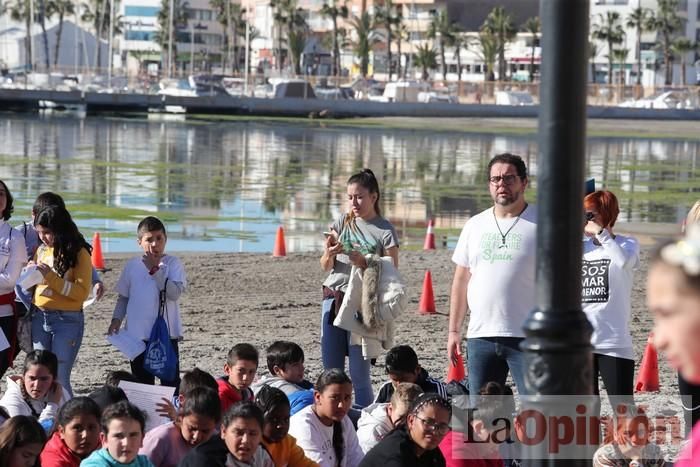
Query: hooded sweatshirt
point(102, 458)
point(373, 426)
point(229, 394)
point(57, 454)
point(280, 383)
point(15, 404)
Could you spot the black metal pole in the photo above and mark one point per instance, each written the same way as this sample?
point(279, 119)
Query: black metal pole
point(557, 345)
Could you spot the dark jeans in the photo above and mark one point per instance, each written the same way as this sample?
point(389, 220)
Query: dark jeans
point(490, 358)
point(9, 328)
point(690, 394)
point(144, 377)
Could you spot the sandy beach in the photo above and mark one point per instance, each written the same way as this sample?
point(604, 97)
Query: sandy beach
point(255, 298)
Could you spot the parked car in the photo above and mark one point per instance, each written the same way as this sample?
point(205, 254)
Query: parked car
point(514, 98)
point(663, 100)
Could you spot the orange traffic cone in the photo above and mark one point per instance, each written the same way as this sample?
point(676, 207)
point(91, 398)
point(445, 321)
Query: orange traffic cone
point(429, 243)
point(427, 299)
point(456, 372)
point(98, 261)
point(280, 248)
point(648, 377)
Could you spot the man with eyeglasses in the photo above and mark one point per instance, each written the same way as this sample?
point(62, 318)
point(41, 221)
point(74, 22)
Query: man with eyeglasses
point(495, 279)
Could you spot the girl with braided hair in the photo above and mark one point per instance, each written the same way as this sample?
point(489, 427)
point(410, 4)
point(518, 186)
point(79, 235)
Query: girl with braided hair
point(323, 429)
point(281, 446)
point(415, 443)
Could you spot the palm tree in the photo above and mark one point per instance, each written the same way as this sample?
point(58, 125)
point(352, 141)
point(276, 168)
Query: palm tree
point(334, 12)
point(43, 14)
point(666, 22)
point(288, 16)
point(97, 13)
point(441, 29)
point(162, 35)
point(609, 30)
point(296, 40)
point(592, 53)
point(387, 17)
point(62, 8)
point(458, 42)
point(401, 35)
point(500, 24)
point(426, 58)
point(638, 20)
point(19, 11)
point(231, 17)
point(681, 47)
point(363, 28)
point(532, 26)
point(489, 51)
point(620, 56)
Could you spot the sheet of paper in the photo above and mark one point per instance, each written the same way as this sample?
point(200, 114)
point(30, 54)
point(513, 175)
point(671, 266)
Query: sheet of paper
point(4, 344)
point(30, 277)
point(126, 344)
point(145, 397)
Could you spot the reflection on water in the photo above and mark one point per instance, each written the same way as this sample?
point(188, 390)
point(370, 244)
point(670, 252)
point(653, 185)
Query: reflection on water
point(226, 186)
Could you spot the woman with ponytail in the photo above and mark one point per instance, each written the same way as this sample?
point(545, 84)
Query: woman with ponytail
point(360, 232)
point(323, 429)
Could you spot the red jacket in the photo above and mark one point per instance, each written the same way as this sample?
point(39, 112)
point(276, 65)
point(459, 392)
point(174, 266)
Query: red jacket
point(229, 394)
point(57, 454)
point(460, 453)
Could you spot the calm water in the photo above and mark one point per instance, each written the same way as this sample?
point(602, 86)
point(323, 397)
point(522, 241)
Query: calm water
point(227, 186)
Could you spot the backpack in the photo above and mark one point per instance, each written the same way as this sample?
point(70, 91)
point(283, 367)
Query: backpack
point(160, 358)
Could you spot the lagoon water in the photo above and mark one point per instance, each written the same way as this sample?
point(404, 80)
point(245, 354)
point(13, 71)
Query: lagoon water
point(228, 185)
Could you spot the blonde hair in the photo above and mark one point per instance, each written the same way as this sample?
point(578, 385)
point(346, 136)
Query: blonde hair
point(693, 216)
point(404, 395)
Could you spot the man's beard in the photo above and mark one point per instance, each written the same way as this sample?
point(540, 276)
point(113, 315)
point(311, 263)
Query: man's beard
point(507, 200)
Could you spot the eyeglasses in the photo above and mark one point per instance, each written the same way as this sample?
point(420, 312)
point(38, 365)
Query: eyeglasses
point(439, 428)
point(507, 179)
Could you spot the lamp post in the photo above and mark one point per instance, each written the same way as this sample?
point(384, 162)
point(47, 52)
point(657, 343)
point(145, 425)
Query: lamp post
point(557, 346)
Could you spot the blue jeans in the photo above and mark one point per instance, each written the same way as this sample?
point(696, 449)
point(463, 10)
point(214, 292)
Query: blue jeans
point(61, 332)
point(490, 358)
point(335, 345)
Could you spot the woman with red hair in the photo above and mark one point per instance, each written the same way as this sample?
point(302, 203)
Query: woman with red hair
point(609, 261)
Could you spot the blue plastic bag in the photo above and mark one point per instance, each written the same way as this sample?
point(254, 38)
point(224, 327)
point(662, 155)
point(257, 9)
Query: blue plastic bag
point(160, 358)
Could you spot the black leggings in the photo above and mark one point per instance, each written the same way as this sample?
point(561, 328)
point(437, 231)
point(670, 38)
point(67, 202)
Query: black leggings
point(690, 394)
point(618, 378)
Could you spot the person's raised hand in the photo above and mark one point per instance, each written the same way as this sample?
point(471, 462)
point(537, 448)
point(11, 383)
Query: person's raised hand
point(151, 260)
point(166, 409)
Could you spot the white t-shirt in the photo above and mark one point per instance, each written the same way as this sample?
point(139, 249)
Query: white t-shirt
point(608, 276)
point(141, 290)
point(501, 290)
point(316, 439)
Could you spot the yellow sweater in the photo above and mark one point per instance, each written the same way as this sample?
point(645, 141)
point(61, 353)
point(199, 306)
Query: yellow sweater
point(286, 453)
point(65, 293)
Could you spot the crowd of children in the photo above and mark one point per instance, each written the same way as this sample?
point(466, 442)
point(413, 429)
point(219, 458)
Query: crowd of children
point(280, 420)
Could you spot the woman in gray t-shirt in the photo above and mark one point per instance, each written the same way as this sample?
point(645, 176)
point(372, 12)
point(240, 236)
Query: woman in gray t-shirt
point(360, 232)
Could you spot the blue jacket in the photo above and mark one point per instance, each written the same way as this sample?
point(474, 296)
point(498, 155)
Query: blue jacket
point(101, 458)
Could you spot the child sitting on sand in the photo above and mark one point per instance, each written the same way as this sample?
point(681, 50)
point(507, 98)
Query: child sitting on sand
point(629, 442)
point(198, 418)
point(378, 419)
point(285, 361)
point(238, 445)
point(240, 367)
point(281, 446)
point(402, 367)
point(122, 436)
point(139, 288)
